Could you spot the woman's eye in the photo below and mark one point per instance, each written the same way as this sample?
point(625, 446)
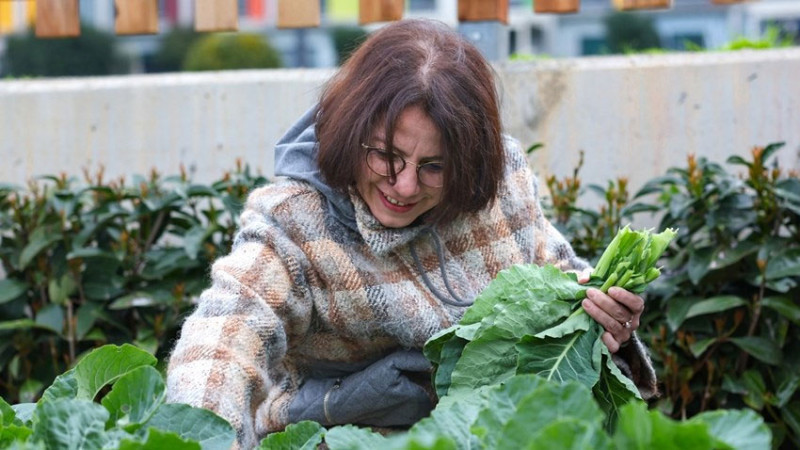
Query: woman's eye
point(434, 167)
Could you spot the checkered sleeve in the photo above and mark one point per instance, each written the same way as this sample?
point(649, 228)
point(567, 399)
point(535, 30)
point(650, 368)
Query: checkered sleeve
point(230, 355)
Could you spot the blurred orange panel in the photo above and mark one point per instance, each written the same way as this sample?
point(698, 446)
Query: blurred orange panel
point(216, 15)
point(136, 16)
point(380, 10)
point(298, 13)
point(57, 18)
point(478, 10)
point(556, 6)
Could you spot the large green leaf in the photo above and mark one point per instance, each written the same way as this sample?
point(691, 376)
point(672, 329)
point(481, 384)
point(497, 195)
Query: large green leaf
point(70, 424)
point(566, 358)
point(65, 386)
point(740, 429)
point(783, 306)
point(201, 425)
point(483, 362)
point(7, 414)
point(640, 429)
point(159, 440)
point(700, 263)
point(614, 389)
point(543, 283)
point(51, 317)
point(449, 354)
point(105, 365)
point(41, 238)
point(784, 264)
point(545, 405)
point(677, 308)
point(11, 434)
point(760, 348)
point(503, 403)
point(570, 434)
point(135, 396)
point(715, 305)
point(304, 435)
point(24, 412)
point(348, 437)
point(10, 289)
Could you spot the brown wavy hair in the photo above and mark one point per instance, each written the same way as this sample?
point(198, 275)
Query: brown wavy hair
point(416, 63)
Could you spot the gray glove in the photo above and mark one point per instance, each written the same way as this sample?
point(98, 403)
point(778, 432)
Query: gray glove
point(381, 395)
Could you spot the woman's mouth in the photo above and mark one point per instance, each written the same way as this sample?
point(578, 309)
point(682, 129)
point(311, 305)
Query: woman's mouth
point(396, 205)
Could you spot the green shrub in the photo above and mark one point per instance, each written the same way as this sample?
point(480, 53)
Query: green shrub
point(104, 262)
point(92, 53)
point(347, 39)
point(628, 32)
point(725, 324)
point(232, 51)
point(172, 50)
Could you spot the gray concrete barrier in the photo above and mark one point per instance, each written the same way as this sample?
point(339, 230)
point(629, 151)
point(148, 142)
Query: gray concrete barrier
point(634, 116)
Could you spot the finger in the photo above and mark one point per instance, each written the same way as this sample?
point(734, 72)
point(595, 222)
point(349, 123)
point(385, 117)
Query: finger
point(611, 343)
point(616, 310)
point(633, 302)
point(584, 276)
point(609, 323)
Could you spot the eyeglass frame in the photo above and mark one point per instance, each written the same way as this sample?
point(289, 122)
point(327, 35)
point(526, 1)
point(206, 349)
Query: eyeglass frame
point(370, 148)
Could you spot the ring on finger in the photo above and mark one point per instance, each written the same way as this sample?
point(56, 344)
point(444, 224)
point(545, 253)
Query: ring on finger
point(626, 324)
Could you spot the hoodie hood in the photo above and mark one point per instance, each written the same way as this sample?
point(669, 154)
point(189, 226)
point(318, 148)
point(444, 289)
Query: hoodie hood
point(295, 157)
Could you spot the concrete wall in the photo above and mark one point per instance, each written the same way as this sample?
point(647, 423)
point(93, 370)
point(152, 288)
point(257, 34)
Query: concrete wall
point(633, 116)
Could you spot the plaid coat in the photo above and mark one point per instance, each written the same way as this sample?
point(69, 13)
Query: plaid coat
point(299, 289)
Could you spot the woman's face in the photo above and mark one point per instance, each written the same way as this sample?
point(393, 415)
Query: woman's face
point(399, 204)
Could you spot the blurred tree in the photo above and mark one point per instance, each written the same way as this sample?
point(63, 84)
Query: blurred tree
point(94, 52)
point(626, 32)
point(172, 50)
point(232, 51)
point(346, 39)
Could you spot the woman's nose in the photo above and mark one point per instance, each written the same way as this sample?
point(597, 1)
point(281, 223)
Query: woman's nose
point(407, 183)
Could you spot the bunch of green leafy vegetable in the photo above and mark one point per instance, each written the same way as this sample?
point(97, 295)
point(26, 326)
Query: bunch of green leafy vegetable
point(529, 320)
point(131, 415)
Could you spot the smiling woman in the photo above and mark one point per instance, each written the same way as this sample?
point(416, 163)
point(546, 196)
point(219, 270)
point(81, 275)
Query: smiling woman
point(399, 202)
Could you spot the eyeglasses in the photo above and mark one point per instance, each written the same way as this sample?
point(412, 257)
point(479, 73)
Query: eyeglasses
point(382, 162)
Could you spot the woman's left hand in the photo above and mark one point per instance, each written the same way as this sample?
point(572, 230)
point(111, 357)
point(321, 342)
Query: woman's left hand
point(618, 312)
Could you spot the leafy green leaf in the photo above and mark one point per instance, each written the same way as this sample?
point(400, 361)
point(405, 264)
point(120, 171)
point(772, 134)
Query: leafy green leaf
point(570, 434)
point(159, 440)
point(715, 305)
point(305, 435)
point(51, 317)
point(760, 348)
point(784, 264)
point(641, 429)
point(677, 308)
point(11, 289)
point(70, 423)
point(11, 434)
point(201, 425)
point(105, 365)
point(545, 405)
point(700, 347)
point(135, 396)
point(783, 306)
point(7, 414)
point(41, 238)
point(738, 429)
point(567, 358)
point(349, 437)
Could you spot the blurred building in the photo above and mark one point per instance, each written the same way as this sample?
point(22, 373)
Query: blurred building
point(700, 22)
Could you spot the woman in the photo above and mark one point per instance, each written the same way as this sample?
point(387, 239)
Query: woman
point(400, 202)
